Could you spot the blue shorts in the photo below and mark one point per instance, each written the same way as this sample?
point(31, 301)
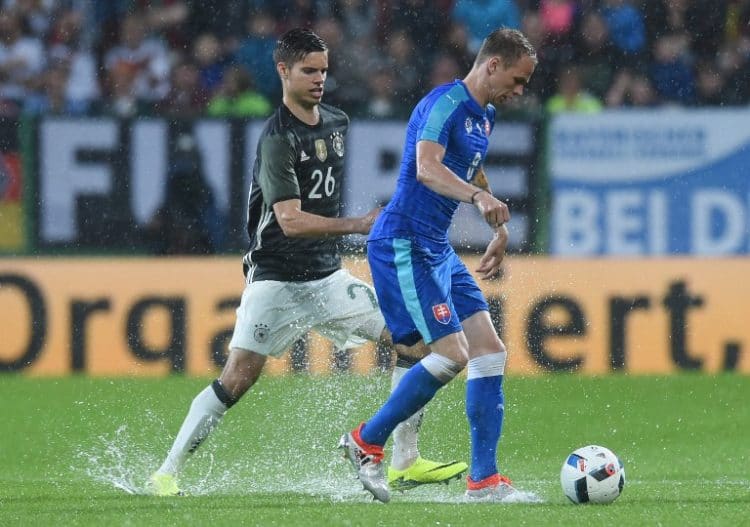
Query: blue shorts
point(424, 289)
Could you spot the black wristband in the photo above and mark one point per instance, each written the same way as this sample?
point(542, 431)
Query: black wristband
point(475, 195)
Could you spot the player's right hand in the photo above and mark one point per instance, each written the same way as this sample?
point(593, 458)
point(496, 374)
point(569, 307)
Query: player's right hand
point(494, 211)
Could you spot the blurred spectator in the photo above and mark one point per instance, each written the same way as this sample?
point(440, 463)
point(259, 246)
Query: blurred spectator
point(83, 82)
point(413, 17)
point(106, 19)
point(167, 18)
point(541, 85)
point(122, 99)
point(381, 103)
point(211, 60)
point(35, 16)
point(631, 88)
point(237, 98)
point(737, 21)
point(401, 57)
point(186, 97)
point(349, 65)
point(483, 16)
point(21, 60)
point(709, 84)
point(227, 19)
point(456, 44)
point(558, 17)
point(626, 29)
point(188, 221)
point(255, 52)
point(53, 98)
point(570, 96)
point(672, 70)
point(357, 17)
point(145, 57)
point(295, 13)
point(445, 69)
point(703, 22)
point(734, 64)
point(551, 56)
point(594, 55)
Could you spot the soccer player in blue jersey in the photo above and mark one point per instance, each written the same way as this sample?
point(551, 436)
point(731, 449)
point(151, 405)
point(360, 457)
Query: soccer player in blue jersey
point(424, 289)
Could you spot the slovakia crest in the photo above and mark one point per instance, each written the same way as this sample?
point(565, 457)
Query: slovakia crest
point(487, 128)
point(442, 313)
point(468, 124)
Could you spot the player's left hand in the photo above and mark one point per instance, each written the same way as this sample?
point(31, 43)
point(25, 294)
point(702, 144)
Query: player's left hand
point(492, 259)
point(368, 219)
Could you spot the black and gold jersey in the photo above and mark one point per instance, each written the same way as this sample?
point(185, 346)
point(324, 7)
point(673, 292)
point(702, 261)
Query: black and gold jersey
point(295, 160)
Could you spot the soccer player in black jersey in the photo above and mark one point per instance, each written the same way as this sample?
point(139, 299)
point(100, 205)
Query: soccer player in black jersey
point(294, 279)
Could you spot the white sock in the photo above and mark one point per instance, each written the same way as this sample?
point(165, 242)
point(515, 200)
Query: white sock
point(204, 415)
point(406, 434)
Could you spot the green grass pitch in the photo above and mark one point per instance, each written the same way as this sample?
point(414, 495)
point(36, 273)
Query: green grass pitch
point(67, 443)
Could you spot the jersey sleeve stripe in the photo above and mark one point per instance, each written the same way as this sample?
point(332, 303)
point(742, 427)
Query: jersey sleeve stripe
point(440, 113)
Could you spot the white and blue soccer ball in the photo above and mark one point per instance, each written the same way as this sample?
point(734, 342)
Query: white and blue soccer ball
point(592, 474)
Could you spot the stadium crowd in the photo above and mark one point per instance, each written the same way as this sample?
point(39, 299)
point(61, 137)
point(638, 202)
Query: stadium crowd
point(184, 58)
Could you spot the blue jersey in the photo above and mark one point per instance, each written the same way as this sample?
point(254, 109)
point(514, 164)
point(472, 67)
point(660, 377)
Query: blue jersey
point(423, 287)
point(450, 116)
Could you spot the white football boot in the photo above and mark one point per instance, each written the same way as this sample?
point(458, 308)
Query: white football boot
point(367, 461)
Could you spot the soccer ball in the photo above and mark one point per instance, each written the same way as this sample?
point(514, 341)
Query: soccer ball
point(592, 474)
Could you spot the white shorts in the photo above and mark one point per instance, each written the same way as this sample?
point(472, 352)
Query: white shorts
point(273, 315)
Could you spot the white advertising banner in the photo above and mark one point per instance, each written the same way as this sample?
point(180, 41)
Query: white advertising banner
point(634, 183)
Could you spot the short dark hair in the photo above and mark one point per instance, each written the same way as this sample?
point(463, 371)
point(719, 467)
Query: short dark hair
point(509, 44)
point(293, 45)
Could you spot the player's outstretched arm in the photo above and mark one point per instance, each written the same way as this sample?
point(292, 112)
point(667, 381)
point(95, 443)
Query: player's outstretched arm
point(435, 175)
point(296, 223)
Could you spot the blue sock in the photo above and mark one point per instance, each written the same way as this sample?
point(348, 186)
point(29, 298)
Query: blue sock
point(416, 388)
point(484, 409)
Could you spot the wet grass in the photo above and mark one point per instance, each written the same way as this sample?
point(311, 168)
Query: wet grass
point(67, 442)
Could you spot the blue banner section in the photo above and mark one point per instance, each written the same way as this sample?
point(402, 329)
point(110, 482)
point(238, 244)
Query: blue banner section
point(632, 183)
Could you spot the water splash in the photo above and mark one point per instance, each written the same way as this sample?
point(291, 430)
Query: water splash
point(302, 461)
point(120, 460)
point(115, 459)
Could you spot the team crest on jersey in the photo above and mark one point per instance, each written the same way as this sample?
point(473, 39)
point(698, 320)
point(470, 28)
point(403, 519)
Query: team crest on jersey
point(321, 152)
point(468, 124)
point(337, 140)
point(442, 313)
point(261, 333)
point(487, 129)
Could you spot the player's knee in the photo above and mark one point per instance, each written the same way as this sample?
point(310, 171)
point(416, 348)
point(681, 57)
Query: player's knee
point(442, 368)
point(488, 347)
